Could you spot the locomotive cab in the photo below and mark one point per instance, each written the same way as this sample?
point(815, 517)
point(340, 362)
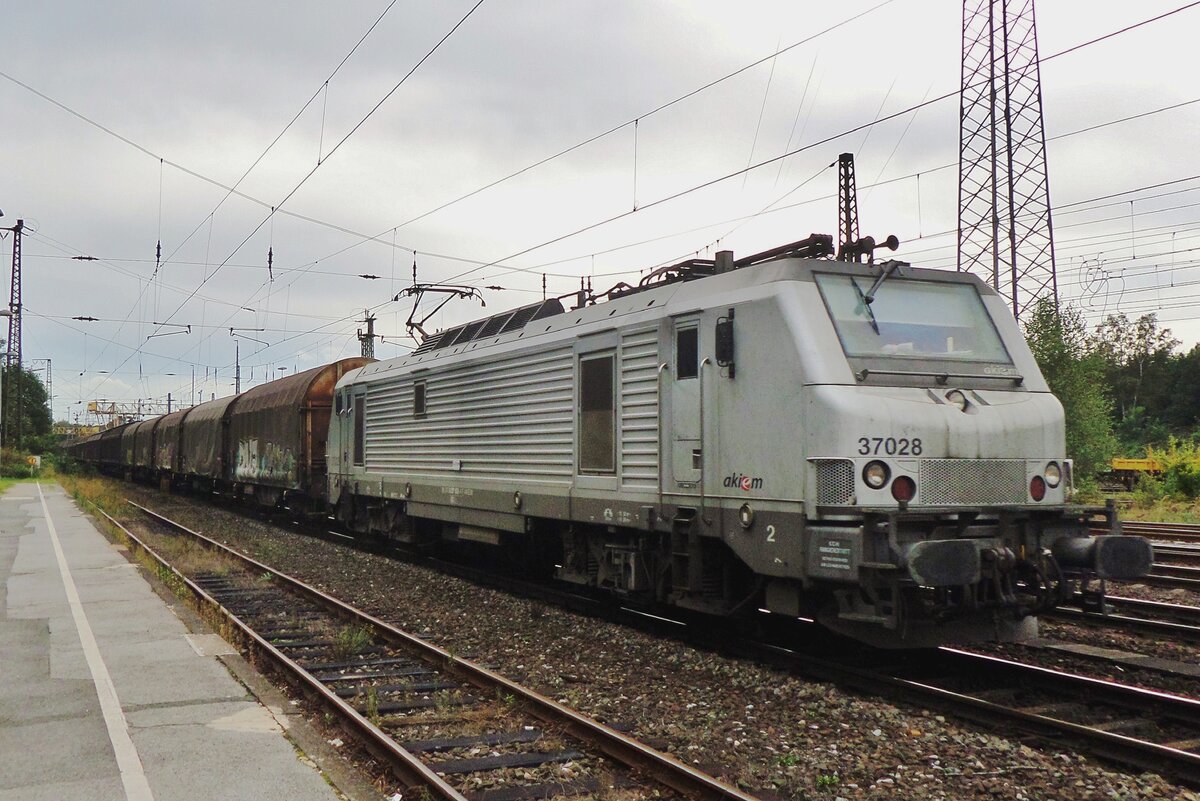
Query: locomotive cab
point(939, 481)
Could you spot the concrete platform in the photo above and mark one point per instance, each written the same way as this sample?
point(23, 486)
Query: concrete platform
point(105, 694)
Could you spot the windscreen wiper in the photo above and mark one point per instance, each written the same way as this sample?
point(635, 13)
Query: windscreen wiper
point(888, 267)
point(865, 301)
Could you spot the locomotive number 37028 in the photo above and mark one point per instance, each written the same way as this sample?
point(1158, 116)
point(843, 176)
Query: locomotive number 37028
point(892, 446)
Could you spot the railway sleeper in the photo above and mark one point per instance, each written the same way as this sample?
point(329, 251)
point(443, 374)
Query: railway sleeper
point(524, 736)
point(519, 760)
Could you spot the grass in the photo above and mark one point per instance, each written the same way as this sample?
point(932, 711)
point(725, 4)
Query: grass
point(46, 474)
point(373, 706)
point(351, 640)
point(827, 781)
point(106, 494)
point(1166, 510)
point(1150, 501)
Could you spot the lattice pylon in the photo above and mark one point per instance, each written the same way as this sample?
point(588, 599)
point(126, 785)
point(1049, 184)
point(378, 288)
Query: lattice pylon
point(1005, 232)
point(847, 208)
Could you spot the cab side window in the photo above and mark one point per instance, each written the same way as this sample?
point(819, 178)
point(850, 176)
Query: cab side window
point(687, 352)
point(419, 399)
point(360, 429)
point(597, 414)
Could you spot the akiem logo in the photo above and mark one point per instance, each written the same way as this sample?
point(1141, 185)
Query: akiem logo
point(744, 483)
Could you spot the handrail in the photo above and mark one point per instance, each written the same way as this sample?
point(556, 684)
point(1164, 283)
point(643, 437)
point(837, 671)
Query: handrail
point(938, 376)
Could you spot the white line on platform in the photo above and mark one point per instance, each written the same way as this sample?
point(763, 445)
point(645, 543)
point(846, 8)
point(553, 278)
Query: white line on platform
point(128, 761)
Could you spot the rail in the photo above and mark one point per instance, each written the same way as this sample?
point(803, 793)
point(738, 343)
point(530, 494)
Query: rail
point(321, 681)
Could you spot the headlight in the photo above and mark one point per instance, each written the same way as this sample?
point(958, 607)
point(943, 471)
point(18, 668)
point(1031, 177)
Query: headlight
point(746, 516)
point(1053, 475)
point(957, 399)
point(876, 475)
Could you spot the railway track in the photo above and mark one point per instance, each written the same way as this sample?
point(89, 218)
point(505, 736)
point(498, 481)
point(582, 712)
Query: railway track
point(1172, 577)
point(1179, 532)
point(1147, 729)
point(1153, 730)
point(1155, 618)
point(439, 722)
point(1187, 555)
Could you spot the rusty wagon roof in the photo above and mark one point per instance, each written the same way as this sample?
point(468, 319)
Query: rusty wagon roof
point(210, 410)
point(174, 419)
point(115, 431)
point(292, 392)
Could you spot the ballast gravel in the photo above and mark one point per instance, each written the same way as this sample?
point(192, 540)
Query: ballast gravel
point(773, 734)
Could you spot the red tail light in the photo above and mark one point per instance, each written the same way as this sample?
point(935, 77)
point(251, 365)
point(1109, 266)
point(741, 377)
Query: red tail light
point(1037, 488)
point(904, 489)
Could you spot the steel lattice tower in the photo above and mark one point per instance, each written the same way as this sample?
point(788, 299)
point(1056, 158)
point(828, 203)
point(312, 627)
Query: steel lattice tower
point(14, 303)
point(14, 342)
point(1005, 233)
point(847, 208)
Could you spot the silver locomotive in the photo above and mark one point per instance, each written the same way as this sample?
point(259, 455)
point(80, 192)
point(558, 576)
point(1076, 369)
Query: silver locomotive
point(869, 444)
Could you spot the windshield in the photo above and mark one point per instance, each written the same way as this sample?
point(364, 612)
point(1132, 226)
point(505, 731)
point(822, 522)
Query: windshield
point(911, 319)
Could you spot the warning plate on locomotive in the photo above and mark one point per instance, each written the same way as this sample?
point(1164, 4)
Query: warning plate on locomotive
point(836, 556)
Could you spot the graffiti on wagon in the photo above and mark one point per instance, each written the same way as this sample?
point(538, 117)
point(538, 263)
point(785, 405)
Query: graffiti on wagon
point(264, 461)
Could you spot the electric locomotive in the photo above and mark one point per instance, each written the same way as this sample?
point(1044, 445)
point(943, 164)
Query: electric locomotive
point(869, 444)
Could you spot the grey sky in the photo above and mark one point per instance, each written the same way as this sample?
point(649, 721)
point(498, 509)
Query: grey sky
point(208, 86)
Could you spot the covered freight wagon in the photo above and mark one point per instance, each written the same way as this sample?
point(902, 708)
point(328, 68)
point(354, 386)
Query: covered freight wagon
point(109, 451)
point(203, 443)
point(128, 444)
point(277, 433)
point(143, 447)
point(166, 443)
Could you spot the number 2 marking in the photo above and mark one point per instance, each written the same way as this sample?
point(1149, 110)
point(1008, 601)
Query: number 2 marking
point(770, 533)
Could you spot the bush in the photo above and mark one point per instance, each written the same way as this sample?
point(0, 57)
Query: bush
point(66, 465)
point(14, 464)
point(1180, 463)
point(1087, 491)
point(1148, 490)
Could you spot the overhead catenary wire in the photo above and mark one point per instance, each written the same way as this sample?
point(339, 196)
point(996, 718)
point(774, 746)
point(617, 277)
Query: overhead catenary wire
point(230, 190)
point(339, 144)
point(614, 129)
point(345, 138)
point(781, 166)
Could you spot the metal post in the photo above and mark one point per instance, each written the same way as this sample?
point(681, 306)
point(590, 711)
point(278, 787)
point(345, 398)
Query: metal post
point(3, 369)
point(14, 322)
point(367, 340)
point(13, 313)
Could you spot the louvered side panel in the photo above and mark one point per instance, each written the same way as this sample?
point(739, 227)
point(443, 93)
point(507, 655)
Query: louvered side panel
point(639, 410)
point(507, 419)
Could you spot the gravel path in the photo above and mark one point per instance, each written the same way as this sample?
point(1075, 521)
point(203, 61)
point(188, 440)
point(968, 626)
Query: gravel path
point(769, 732)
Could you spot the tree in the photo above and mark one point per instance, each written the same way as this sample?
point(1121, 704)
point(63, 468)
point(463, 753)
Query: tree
point(34, 412)
point(1075, 372)
point(1183, 407)
point(1132, 353)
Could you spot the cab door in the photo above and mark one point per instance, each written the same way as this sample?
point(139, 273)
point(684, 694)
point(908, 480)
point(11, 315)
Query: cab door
point(358, 432)
point(685, 430)
point(336, 455)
